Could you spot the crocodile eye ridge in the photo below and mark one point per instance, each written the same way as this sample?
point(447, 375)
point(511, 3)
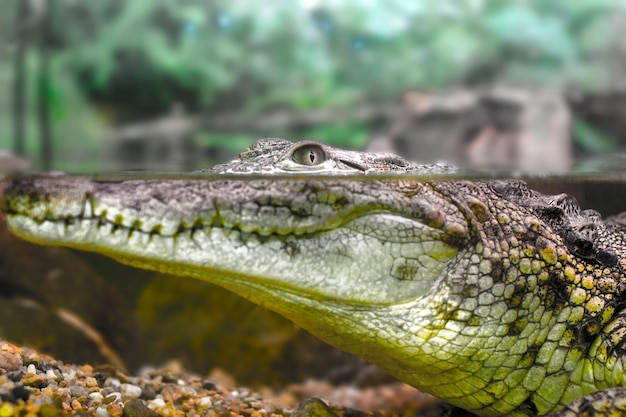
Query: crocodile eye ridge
point(309, 154)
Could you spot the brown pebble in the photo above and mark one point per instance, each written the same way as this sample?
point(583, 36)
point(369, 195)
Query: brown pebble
point(61, 396)
point(91, 382)
point(136, 408)
point(10, 359)
point(171, 393)
point(48, 391)
point(187, 405)
point(34, 380)
point(115, 409)
point(87, 370)
point(313, 407)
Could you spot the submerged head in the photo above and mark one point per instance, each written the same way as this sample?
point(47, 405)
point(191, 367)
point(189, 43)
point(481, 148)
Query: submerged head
point(346, 241)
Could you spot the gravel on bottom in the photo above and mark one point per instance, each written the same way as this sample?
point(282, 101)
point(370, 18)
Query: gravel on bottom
point(34, 384)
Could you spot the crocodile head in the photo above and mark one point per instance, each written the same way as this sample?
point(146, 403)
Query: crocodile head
point(305, 235)
point(466, 290)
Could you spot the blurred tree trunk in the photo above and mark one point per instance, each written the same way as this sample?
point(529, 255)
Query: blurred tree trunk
point(19, 76)
point(43, 84)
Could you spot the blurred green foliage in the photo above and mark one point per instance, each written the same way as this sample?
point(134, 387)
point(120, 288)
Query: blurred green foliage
point(116, 61)
point(591, 139)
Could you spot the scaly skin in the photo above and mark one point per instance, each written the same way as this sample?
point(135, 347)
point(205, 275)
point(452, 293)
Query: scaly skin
point(489, 295)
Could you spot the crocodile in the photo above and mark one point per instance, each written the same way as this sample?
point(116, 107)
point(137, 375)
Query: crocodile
point(495, 298)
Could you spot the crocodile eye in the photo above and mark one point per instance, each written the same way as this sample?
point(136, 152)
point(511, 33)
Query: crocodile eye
point(310, 154)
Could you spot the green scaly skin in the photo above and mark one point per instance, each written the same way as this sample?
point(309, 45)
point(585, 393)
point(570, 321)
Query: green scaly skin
point(486, 294)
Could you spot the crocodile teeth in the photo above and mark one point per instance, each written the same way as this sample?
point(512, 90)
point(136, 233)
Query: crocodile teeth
point(145, 239)
point(244, 236)
point(168, 228)
point(168, 242)
point(100, 212)
point(106, 228)
point(61, 229)
point(88, 209)
point(119, 233)
point(188, 235)
point(197, 244)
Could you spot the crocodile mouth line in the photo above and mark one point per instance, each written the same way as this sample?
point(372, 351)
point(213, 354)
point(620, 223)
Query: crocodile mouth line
point(101, 219)
point(107, 223)
point(100, 234)
point(65, 226)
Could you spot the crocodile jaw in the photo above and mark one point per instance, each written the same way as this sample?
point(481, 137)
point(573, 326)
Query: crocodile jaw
point(321, 266)
point(341, 247)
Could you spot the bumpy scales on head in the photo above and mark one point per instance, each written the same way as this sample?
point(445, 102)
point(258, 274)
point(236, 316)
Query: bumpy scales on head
point(280, 156)
point(486, 294)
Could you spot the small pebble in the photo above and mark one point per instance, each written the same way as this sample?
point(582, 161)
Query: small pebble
point(157, 403)
point(136, 408)
point(48, 391)
point(62, 395)
point(6, 409)
point(188, 391)
point(78, 391)
point(96, 398)
point(102, 412)
point(114, 382)
point(20, 393)
point(130, 391)
point(115, 409)
point(91, 382)
point(171, 393)
point(34, 380)
point(148, 392)
point(210, 386)
point(205, 402)
point(76, 405)
point(87, 369)
point(9, 361)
